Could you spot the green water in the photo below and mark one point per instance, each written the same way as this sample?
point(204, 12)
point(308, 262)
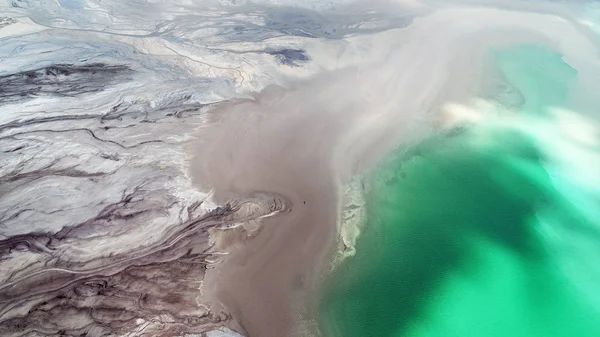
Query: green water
point(471, 234)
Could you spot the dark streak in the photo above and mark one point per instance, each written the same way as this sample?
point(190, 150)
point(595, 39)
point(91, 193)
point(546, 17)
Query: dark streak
point(88, 131)
point(290, 57)
point(60, 80)
point(22, 123)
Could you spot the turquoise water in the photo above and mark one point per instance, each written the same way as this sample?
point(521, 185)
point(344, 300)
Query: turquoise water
point(538, 73)
point(475, 232)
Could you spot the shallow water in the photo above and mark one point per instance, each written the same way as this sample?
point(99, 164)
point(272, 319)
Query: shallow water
point(471, 233)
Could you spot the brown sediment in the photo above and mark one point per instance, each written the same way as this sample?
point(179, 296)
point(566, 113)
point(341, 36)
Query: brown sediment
point(277, 144)
point(304, 144)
